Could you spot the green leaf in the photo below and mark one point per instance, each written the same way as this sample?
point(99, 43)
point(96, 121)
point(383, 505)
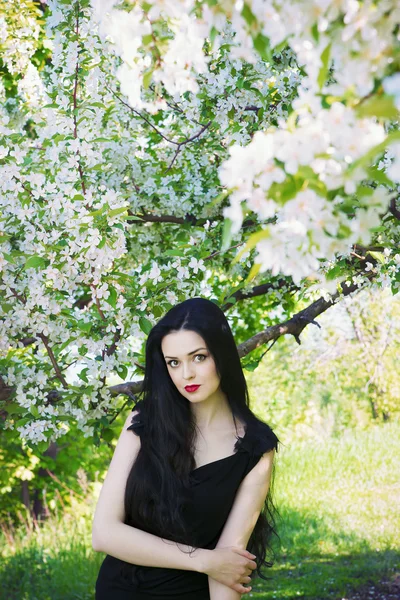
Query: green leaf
point(13, 408)
point(22, 422)
point(378, 229)
point(147, 75)
point(108, 434)
point(379, 256)
point(83, 374)
point(253, 272)
point(220, 198)
point(174, 253)
point(392, 137)
point(122, 371)
point(34, 411)
point(251, 242)
point(35, 262)
point(232, 300)
point(84, 326)
point(334, 272)
point(248, 15)
point(6, 307)
point(226, 234)
point(325, 56)
point(83, 350)
point(117, 211)
point(379, 176)
point(65, 344)
point(213, 34)
point(147, 39)
point(98, 212)
point(282, 192)
point(9, 258)
point(315, 32)
point(112, 298)
point(251, 366)
point(262, 45)
point(145, 325)
point(378, 106)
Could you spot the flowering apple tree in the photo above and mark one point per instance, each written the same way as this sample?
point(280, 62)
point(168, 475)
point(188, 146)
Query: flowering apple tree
point(247, 152)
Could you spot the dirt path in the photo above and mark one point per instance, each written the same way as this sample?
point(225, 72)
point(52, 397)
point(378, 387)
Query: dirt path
point(387, 589)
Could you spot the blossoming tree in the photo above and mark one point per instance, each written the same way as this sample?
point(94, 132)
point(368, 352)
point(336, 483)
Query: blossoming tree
point(247, 152)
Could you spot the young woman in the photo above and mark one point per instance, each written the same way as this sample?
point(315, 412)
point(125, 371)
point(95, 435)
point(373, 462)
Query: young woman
point(188, 490)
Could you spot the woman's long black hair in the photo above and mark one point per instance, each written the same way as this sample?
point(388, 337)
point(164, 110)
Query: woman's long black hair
point(155, 489)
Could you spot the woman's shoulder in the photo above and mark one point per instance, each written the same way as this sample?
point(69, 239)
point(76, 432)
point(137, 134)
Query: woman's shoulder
point(137, 423)
point(258, 439)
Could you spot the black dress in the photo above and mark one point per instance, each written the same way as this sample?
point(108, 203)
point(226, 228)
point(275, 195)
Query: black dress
point(213, 486)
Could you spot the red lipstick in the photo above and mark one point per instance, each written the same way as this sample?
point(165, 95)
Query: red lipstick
point(191, 388)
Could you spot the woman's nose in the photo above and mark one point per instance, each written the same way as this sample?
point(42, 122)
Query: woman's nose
point(188, 371)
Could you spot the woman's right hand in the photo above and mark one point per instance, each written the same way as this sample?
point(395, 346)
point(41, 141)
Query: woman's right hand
point(230, 566)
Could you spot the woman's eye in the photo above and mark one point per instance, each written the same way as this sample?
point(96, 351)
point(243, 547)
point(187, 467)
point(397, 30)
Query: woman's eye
point(203, 356)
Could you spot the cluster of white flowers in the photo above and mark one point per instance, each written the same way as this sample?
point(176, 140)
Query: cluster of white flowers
point(307, 225)
point(360, 35)
point(18, 36)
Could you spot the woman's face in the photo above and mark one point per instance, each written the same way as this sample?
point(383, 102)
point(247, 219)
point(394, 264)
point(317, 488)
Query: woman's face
point(190, 363)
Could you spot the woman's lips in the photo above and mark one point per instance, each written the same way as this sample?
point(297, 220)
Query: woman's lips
point(191, 388)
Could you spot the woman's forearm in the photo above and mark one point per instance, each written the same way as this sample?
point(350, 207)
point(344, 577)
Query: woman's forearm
point(219, 591)
point(138, 547)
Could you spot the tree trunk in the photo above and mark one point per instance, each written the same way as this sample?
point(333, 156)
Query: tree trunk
point(40, 509)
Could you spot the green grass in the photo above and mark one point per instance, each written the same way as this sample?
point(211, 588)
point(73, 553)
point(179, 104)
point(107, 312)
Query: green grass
point(340, 520)
point(339, 525)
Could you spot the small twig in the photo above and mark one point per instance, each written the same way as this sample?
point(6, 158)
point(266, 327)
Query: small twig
point(56, 367)
point(118, 412)
point(18, 296)
point(98, 304)
point(160, 133)
point(357, 255)
point(259, 290)
point(213, 254)
point(136, 112)
point(191, 139)
point(111, 349)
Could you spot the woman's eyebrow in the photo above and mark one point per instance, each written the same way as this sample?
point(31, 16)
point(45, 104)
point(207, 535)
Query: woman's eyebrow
point(189, 353)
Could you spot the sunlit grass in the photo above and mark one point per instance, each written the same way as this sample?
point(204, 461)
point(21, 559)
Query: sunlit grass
point(340, 520)
point(339, 524)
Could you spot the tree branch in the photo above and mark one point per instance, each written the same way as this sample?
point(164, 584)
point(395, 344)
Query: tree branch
point(298, 322)
point(393, 209)
point(160, 133)
point(259, 290)
point(191, 139)
point(57, 369)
